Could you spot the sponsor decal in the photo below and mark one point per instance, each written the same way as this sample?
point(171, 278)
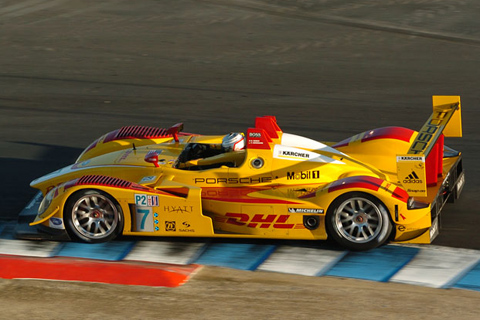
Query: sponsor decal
point(146, 200)
point(295, 154)
point(125, 155)
point(144, 221)
point(263, 221)
point(178, 209)
point(413, 191)
point(155, 221)
point(258, 139)
point(412, 178)
point(423, 138)
point(303, 175)
point(148, 179)
point(186, 227)
point(80, 165)
point(430, 131)
point(225, 192)
point(250, 141)
point(233, 180)
point(410, 158)
point(411, 173)
point(56, 223)
point(401, 228)
point(170, 226)
point(304, 210)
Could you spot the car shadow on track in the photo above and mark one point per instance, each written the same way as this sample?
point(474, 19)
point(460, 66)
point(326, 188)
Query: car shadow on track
point(17, 174)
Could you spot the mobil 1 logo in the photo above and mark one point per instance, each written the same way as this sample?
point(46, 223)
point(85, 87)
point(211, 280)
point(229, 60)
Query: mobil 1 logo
point(303, 175)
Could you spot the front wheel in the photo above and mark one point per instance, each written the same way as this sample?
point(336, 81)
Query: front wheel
point(93, 216)
point(358, 221)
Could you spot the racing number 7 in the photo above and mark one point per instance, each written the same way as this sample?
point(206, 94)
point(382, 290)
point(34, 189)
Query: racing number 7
point(144, 218)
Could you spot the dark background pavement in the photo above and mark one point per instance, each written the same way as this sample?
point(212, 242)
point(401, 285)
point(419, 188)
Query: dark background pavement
point(71, 71)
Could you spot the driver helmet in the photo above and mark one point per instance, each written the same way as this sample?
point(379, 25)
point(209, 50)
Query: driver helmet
point(233, 142)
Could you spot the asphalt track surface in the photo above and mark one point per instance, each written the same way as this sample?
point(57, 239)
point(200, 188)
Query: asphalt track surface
point(74, 70)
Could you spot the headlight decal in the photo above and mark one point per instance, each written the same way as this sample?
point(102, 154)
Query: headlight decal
point(47, 200)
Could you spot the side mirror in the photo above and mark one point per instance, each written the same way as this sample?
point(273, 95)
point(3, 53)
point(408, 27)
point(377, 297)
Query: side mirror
point(152, 157)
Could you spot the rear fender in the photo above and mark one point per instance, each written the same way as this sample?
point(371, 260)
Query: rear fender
point(392, 196)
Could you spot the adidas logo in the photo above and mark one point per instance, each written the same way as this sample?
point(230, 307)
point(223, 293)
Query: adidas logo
point(412, 178)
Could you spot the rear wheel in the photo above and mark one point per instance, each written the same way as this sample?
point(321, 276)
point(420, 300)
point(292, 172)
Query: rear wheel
point(358, 221)
point(93, 216)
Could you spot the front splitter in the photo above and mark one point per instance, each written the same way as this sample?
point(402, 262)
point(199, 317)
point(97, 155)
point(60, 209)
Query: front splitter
point(23, 230)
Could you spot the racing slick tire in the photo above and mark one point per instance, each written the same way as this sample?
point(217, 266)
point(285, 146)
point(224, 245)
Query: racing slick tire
point(358, 221)
point(93, 216)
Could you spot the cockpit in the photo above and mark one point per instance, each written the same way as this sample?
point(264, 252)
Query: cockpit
point(201, 156)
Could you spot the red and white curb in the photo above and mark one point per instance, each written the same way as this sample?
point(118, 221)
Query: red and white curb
point(172, 263)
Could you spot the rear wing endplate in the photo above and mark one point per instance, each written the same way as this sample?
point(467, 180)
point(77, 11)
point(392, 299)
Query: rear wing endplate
point(423, 163)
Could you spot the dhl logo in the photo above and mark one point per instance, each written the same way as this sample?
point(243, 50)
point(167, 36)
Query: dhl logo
point(259, 220)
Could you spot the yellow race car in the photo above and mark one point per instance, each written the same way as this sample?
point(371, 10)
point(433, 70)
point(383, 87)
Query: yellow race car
point(386, 184)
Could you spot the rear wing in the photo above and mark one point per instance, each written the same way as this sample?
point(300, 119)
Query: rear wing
point(423, 163)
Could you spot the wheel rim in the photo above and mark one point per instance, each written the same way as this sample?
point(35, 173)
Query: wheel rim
point(358, 220)
point(95, 216)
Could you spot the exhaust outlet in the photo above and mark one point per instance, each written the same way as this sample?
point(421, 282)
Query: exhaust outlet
point(311, 222)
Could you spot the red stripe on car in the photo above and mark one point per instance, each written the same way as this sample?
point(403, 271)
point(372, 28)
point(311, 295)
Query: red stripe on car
point(137, 132)
point(397, 133)
point(364, 182)
point(238, 195)
point(400, 194)
point(104, 181)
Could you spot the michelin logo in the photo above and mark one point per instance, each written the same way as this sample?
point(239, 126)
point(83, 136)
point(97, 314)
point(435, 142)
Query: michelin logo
point(304, 210)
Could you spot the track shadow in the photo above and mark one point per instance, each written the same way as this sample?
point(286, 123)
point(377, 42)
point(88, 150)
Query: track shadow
point(17, 174)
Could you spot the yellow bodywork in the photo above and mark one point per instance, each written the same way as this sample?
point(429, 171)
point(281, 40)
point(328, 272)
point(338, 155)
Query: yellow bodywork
point(269, 190)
